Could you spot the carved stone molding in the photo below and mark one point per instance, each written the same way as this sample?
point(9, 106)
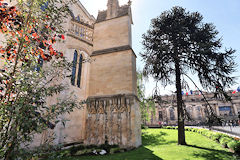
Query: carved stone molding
point(109, 119)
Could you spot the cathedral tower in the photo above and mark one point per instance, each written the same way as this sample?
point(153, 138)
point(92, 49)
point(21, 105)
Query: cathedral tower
point(113, 114)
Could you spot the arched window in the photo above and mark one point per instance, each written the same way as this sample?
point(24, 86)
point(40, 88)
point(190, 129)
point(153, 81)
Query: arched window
point(74, 67)
point(78, 18)
point(72, 15)
point(77, 69)
point(172, 115)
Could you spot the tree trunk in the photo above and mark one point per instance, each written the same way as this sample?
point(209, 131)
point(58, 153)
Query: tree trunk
point(181, 131)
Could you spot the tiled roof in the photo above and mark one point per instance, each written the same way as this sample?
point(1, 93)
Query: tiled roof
point(122, 11)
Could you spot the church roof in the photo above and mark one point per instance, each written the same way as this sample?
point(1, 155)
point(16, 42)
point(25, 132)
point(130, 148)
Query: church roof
point(122, 11)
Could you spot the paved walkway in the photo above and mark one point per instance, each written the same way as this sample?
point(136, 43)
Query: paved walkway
point(230, 130)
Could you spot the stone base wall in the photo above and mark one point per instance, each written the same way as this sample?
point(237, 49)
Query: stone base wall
point(113, 120)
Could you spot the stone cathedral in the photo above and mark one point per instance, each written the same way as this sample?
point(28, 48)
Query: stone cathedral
point(108, 82)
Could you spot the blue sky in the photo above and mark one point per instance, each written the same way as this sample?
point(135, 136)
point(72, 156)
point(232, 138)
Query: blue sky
point(224, 14)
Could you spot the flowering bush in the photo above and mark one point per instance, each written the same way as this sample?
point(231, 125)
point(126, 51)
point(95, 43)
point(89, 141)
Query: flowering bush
point(30, 30)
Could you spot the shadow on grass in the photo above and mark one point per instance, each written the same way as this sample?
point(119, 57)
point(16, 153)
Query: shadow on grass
point(144, 154)
point(211, 154)
point(141, 153)
point(155, 139)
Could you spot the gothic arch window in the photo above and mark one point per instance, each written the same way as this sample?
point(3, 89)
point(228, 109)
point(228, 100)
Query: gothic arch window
point(74, 68)
point(77, 69)
point(172, 114)
point(78, 18)
point(80, 70)
point(72, 15)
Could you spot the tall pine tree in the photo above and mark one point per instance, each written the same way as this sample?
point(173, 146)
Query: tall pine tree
point(179, 43)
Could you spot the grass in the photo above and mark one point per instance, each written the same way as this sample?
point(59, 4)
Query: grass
point(161, 144)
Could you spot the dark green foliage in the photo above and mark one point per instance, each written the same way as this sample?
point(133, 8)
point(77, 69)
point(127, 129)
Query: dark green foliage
point(144, 126)
point(75, 150)
point(194, 130)
point(170, 127)
point(224, 141)
point(234, 145)
point(216, 136)
point(188, 129)
point(146, 104)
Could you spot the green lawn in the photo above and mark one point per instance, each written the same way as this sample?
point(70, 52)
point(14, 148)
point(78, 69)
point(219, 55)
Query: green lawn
point(161, 144)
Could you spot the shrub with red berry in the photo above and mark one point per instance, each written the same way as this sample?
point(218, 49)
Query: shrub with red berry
point(30, 67)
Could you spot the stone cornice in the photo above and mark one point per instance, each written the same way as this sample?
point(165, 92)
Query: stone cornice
point(112, 96)
point(111, 50)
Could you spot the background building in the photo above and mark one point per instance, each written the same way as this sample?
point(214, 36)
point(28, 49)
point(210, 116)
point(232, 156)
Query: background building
point(196, 107)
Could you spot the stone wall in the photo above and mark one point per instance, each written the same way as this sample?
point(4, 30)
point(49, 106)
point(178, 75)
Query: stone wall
point(113, 120)
point(115, 32)
point(113, 73)
point(113, 114)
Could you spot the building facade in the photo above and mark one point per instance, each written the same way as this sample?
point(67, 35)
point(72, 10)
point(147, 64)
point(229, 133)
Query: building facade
point(195, 106)
point(108, 82)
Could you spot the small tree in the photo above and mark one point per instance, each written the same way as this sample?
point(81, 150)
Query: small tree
point(30, 29)
point(146, 104)
point(177, 43)
point(141, 96)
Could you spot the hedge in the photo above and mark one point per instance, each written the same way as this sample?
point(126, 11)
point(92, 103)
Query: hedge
point(225, 140)
point(234, 145)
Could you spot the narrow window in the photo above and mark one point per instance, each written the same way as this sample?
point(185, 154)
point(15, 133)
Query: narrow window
point(78, 18)
point(74, 68)
point(77, 30)
point(72, 15)
point(160, 116)
point(82, 30)
point(79, 71)
point(172, 115)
